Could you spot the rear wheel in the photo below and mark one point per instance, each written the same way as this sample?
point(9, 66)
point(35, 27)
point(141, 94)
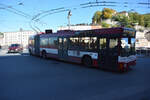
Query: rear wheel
point(44, 56)
point(87, 61)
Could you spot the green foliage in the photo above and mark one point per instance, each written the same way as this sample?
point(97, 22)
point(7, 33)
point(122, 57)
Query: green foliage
point(134, 17)
point(97, 17)
point(141, 20)
point(123, 20)
point(1, 33)
point(107, 13)
point(127, 21)
point(117, 18)
point(105, 25)
point(115, 25)
point(147, 20)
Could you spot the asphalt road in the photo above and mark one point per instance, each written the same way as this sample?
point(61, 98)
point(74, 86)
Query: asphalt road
point(24, 77)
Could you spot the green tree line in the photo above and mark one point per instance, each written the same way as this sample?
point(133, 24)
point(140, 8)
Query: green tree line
point(127, 21)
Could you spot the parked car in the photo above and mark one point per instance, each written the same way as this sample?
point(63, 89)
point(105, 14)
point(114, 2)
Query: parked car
point(16, 48)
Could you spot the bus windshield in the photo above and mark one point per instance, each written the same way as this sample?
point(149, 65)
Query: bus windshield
point(127, 48)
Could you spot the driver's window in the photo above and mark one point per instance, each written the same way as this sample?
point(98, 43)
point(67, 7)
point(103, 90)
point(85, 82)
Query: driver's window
point(124, 43)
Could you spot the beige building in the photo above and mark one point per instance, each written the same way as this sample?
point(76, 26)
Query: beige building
point(141, 41)
point(20, 37)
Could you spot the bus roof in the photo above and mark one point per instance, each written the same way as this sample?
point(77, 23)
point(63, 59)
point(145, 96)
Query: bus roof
point(117, 31)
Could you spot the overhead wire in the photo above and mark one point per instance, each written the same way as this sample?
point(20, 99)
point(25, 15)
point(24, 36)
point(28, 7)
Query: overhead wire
point(20, 13)
point(39, 16)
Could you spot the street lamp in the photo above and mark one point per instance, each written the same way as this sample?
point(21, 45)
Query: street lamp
point(69, 14)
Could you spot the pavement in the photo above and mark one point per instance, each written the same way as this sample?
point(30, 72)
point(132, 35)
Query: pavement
point(24, 77)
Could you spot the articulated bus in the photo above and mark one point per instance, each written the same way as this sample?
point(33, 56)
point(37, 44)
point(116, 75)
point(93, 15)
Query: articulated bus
point(107, 48)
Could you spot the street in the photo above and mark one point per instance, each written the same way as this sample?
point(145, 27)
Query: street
point(24, 77)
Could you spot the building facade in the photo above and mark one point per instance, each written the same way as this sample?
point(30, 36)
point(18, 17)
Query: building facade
point(141, 41)
point(20, 37)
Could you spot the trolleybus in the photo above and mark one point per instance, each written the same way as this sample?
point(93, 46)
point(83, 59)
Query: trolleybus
point(107, 48)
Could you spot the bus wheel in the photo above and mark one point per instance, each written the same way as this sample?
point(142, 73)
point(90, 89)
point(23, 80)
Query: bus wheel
point(87, 61)
point(44, 56)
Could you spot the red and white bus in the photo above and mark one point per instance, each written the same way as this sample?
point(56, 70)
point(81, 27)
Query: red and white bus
point(108, 48)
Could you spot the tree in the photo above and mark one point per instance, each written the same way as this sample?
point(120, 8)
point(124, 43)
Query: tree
point(107, 13)
point(117, 18)
point(125, 21)
point(97, 17)
point(134, 17)
point(147, 20)
point(105, 25)
point(1, 35)
point(141, 20)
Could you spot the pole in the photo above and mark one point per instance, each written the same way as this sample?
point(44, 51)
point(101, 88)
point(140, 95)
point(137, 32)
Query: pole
point(69, 14)
point(69, 22)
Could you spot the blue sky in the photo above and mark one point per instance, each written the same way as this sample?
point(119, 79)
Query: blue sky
point(9, 21)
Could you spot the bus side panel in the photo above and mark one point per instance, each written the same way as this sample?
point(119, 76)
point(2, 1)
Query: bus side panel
point(76, 56)
point(51, 52)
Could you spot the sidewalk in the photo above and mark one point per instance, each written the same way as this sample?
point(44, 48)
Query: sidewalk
point(3, 52)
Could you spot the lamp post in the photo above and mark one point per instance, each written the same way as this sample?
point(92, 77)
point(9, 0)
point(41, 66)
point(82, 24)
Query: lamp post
point(69, 14)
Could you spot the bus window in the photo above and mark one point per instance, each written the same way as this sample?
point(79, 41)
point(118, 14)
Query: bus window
point(65, 43)
point(113, 43)
point(44, 42)
point(84, 43)
point(102, 43)
point(73, 42)
point(31, 42)
point(60, 40)
point(53, 42)
point(93, 43)
point(125, 47)
point(133, 46)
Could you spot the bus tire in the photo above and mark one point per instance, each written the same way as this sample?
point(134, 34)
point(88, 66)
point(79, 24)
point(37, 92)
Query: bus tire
point(44, 56)
point(87, 61)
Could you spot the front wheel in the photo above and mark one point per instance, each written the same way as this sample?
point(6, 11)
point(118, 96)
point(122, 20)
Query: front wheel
point(87, 61)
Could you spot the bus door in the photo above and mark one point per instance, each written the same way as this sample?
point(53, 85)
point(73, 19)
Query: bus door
point(62, 47)
point(113, 50)
point(103, 52)
point(108, 53)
